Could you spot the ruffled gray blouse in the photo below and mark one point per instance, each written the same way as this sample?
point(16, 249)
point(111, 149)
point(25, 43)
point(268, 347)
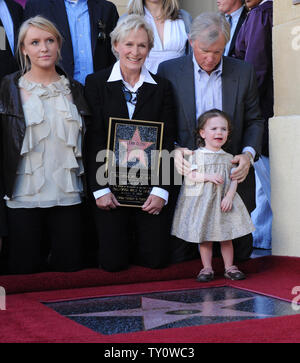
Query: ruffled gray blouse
point(51, 163)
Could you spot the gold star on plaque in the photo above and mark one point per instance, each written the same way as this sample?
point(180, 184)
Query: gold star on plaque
point(134, 149)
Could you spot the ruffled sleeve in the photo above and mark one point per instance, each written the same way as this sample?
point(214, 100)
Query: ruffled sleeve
point(51, 150)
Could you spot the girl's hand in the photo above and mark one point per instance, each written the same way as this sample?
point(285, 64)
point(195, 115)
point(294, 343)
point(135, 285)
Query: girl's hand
point(214, 178)
point(195, 177)
point(182, 165)
point(226, 204)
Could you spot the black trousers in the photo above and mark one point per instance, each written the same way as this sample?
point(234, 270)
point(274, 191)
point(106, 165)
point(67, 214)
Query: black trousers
point(127, 235)
point(42, 239)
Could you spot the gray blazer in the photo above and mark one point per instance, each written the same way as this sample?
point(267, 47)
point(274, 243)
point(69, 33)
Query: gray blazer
point(239, 97)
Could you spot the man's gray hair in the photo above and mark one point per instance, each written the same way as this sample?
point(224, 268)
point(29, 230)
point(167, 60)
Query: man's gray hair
point(125, 25)
point(207, 27)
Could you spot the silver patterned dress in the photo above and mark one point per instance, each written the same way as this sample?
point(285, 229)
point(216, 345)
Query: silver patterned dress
point(198, 216)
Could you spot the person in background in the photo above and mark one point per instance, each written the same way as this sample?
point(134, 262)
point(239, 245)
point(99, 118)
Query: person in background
point(11, 17)
point(171, 27)
point(85, 26)
point(42, 128)
point(204, 80)
point(128, 91)
point(254, 45)
point(235, 13)
point(21, 2)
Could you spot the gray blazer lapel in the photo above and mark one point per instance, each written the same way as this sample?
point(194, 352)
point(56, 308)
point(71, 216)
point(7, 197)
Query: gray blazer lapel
point(229, 88)
point(186, 87)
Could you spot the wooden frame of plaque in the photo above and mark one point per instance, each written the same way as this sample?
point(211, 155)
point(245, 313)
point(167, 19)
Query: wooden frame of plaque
point(133, 158)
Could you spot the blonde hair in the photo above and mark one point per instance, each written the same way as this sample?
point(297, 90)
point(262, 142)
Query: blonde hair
point(126, 25)
point(40, 23)
point(170, 8)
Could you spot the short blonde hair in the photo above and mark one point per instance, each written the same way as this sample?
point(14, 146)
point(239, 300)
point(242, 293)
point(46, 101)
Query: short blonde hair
point(43, 24)
point(170, 8)
point(126, 25)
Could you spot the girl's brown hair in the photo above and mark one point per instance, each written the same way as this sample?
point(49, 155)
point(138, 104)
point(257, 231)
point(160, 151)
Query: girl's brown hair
point(204, 118)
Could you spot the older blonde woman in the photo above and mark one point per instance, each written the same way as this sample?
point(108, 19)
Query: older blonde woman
point(171, 26)
point(151, 100)
point(42, 125)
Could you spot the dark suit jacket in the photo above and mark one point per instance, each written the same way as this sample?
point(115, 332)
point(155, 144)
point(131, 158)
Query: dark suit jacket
point(240, 101)
point(8, 65)
point(99, 10)
point(7, 61)
point(106, 99)
point(242, 18)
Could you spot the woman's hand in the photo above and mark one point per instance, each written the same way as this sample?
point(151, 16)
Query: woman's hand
point(107, 202)
point(153, 204)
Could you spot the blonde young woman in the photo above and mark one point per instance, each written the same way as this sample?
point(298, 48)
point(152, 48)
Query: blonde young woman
point(41, 129)
point(170, 25)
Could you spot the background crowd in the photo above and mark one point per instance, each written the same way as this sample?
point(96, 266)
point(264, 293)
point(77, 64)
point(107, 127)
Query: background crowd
point(67, 66)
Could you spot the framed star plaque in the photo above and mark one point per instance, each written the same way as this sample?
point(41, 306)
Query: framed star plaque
point(133, 159)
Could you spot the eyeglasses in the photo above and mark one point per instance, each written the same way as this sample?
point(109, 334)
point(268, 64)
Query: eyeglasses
point(130, 96)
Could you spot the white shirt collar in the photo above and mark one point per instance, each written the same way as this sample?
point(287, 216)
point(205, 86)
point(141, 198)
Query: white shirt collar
point(116, 75)
point(207, 151)
point(218, 70)
point(237, 13)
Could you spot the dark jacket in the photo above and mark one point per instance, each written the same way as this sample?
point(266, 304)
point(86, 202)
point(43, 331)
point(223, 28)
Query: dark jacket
point(106, 99)
point(254, 45)
point(7, 60)
point(231, 52)
point(13, 126)
point(103, 16)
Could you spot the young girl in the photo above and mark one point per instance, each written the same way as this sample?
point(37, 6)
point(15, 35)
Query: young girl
point(208, 208)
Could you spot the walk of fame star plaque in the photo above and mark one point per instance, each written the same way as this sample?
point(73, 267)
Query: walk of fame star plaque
point(171, 309)
point(133, 159)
